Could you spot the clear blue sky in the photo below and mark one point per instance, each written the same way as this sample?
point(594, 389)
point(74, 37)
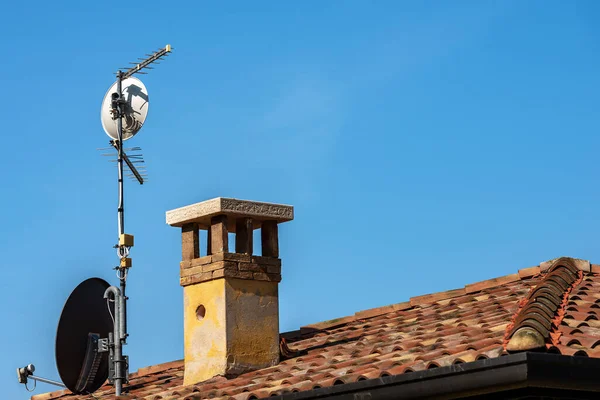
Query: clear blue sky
point(425, 145)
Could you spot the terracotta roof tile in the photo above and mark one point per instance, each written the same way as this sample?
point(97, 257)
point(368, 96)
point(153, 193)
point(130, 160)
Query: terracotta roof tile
point(561, 298)
point(529, 272)
point(490, 283)
point(374, 312)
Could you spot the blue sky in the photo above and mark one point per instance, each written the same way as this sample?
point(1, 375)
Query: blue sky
point(425, 145)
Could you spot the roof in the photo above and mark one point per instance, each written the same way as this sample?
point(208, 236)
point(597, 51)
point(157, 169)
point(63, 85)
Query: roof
point(553, 307)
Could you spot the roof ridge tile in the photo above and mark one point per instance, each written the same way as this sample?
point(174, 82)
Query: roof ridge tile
point(540, 313)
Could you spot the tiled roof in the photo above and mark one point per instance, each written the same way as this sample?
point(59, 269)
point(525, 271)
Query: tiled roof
point(556, 303)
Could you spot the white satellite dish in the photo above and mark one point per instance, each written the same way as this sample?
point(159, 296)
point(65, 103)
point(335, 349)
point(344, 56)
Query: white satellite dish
point(136, 96)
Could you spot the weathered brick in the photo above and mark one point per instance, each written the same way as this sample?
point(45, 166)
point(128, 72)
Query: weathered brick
point(260, 276)
point(228, 265)
point(184, 264)
point(195, 278)
point(274, 277)
point(192, 271)
point(252, 267)
point(240, 275)
point(201, 261)
point(219, 273)
point(266, 260)
point(204, 276)
point(232, 257)
point(274, 269)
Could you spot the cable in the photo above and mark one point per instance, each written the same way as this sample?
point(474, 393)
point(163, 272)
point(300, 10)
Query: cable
point(110, 312)
point(124, 278)
point(122, 251)
point(34, 386)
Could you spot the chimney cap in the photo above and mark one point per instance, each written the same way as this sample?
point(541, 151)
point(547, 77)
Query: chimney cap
point(201, 213)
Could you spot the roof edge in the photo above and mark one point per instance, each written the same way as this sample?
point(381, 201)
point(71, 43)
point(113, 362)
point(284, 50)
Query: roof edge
point(521, 370)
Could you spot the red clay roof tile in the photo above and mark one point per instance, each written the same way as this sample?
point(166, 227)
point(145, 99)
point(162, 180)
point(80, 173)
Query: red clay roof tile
point(432, 298)
point(490, 283)
point(529, 272)
point(374, 312)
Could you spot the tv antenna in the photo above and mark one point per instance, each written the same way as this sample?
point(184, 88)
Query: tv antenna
point(84, 338)
point(123, 113)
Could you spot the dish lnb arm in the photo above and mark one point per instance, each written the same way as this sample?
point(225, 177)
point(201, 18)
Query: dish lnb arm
point(26, 373)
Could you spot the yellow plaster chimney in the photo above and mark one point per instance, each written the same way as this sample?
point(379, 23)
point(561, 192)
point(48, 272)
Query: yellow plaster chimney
point(230, 300)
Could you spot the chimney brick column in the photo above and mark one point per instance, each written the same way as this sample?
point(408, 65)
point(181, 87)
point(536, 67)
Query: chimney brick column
point(243, 236)
point(190, 242)
point(219, 238)
point(269, 238)
point(231, 301)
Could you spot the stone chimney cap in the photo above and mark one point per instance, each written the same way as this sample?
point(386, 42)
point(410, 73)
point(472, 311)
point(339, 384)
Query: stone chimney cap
point(201, 213)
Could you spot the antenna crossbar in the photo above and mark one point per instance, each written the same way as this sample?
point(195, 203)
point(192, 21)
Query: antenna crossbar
point(130, 163)
point(145, 62)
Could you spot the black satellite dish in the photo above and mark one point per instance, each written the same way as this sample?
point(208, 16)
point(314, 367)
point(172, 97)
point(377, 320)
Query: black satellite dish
point(84, 320)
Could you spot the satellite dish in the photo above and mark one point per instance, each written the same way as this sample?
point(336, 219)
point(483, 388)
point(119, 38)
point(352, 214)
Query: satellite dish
point(135, 95)
point(84, 320)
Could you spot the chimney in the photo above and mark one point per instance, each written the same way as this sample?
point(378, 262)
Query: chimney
point(230, 300)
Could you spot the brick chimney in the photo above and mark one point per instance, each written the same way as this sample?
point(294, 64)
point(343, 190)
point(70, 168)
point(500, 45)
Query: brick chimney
point(230, 300)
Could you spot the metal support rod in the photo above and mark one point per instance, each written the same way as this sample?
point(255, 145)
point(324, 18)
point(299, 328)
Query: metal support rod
point(118, 350)
point(44, 380)
point(120, 299)
point(120, 150)
point(122, 271)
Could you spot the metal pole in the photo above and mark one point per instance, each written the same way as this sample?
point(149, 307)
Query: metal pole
point(120, 301)
point(50, 381)
point(120, 157)
point(122, 271)
point(118, 356)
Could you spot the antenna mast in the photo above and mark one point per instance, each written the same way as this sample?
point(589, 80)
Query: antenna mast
point(84, 318)
point(120, 363)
